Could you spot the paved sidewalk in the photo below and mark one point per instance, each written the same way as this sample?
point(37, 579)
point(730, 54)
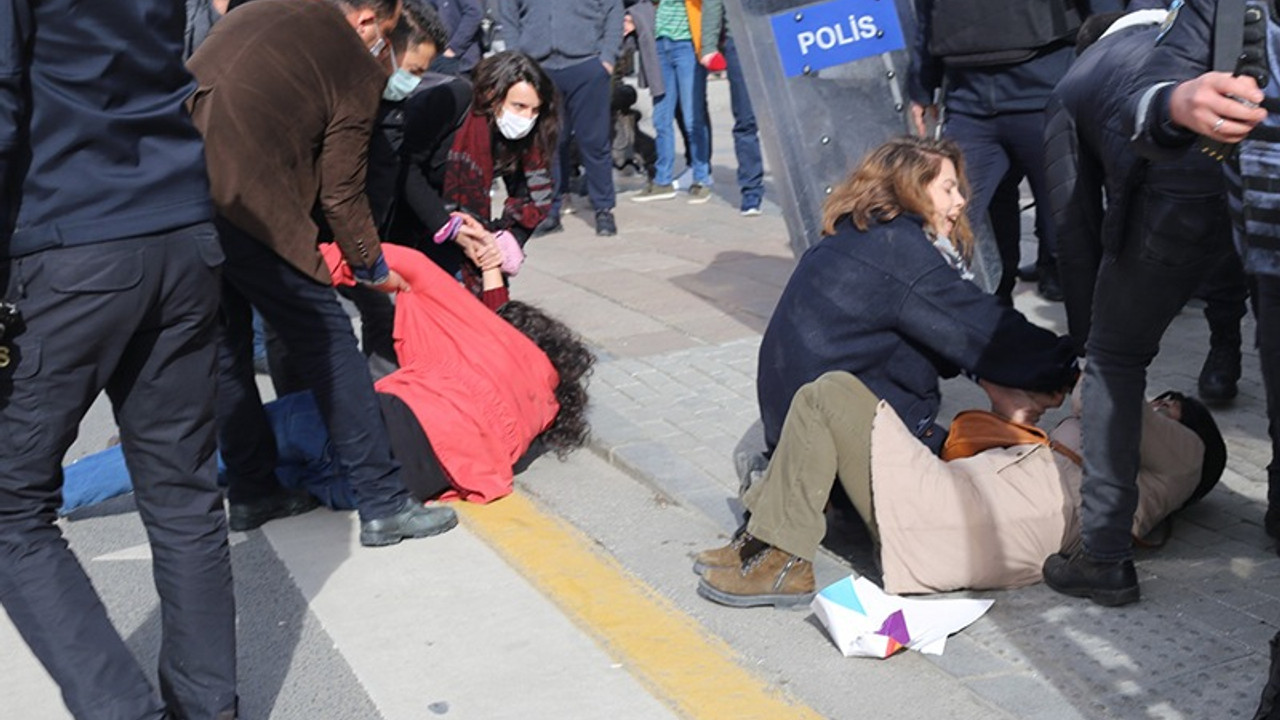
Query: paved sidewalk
point(676, 304)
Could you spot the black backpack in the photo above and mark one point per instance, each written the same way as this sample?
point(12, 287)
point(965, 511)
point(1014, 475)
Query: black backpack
point(978, 33)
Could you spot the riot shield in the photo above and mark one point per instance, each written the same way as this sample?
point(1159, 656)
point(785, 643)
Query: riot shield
point(828, 83)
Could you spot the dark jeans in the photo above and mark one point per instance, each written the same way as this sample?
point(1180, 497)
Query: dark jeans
point(585, 108)
point(1225, 291)
point(1000, 150)
point(321, 346)
point(1171, 242)
point(1267, 308)
point(136, 317)
point(746, 136)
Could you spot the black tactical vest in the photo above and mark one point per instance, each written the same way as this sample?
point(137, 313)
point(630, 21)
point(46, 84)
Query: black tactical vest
point(975, 33)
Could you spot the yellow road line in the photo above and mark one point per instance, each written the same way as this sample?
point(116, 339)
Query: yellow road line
point(670, 653)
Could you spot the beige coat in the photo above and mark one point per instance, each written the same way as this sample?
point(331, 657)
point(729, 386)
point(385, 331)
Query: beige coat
point(990, 521)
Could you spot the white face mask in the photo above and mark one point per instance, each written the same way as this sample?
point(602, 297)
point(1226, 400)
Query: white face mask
point(514, 127)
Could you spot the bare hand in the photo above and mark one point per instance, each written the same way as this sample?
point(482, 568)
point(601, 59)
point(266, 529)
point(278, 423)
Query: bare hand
point(706, 60)
point(470, 232)
point(393, 284)
point(483, 252)
point(1205, 105)
point(608, 67)
point(921, 115)
point(1021, 406)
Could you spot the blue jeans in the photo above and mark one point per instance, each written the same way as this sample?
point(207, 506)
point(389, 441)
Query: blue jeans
point(321, 344)
point(1172, 240)
point(746, 136)
point(686, 80)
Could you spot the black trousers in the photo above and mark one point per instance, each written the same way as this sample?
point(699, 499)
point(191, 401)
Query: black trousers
point(137, 318)
point(1173, 238)
point(321, 347)
point(1267, 308)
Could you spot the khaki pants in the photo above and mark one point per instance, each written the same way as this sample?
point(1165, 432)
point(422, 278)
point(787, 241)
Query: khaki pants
point(827, 434)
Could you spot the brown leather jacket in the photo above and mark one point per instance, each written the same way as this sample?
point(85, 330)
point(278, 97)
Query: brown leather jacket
point(286, 102)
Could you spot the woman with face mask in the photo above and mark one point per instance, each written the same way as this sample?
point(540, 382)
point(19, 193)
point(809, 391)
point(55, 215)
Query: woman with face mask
point(450, 156)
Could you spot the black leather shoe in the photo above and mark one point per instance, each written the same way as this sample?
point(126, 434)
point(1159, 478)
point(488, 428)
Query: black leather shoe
point(1028, 272)
point(605, 224)
point(1219, 375)
point(414, 520)
point(243, 517)
point(1106, 582)
point(550, 225)
point(1049, 287)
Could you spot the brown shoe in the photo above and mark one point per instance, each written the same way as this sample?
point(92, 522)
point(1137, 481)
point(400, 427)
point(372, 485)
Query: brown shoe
point(734, 555)
point(771, 577)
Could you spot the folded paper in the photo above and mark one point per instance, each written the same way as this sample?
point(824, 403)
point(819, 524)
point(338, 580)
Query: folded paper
point(865, 621)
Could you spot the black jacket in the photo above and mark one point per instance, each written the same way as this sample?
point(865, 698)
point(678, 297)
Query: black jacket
point(1184, 51)
point(884, 306)
point(407, 156)
point(986, 91)
point(1090, 166)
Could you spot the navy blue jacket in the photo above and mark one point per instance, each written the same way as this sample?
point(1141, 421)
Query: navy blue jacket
point(885, 306)
point(986, 91)
point(95, 144)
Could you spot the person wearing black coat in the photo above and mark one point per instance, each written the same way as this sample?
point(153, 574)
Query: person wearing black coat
point(1127, 272)
point(885, 305)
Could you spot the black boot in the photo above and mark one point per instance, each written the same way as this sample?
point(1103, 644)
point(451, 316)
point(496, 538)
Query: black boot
point(1106, 582)
point(1049, 287)
point(1269, 709)
point(1220, 374)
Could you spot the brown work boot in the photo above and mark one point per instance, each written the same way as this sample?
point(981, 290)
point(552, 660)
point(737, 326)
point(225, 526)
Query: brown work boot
point(734, 555)
point(771, 577)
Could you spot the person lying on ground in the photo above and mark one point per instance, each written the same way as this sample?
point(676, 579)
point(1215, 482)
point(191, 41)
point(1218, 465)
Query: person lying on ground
point(476, 390)
point(983, 516)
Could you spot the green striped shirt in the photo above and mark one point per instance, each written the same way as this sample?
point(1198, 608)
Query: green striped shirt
point(672, 21)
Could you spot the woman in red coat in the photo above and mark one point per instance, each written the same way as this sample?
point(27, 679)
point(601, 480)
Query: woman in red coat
point(475, 388)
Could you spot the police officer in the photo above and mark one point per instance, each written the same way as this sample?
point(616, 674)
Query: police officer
point(109, 256)
point(1127, 273)
point(995, 75)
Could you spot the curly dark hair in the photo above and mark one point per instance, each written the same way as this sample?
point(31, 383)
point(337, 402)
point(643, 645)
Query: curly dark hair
point(572, 360)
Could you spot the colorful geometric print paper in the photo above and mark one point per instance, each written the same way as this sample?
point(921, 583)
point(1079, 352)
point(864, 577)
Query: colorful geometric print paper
point(865, 621)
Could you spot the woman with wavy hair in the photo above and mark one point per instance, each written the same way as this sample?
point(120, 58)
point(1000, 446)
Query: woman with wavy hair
point(509, 131)
point(879, 310)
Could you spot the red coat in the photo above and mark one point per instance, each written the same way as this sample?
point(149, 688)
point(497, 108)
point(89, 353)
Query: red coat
point(481, 390)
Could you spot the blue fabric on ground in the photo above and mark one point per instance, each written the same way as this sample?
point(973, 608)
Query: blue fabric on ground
point(93, 479)
point(305, 461)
